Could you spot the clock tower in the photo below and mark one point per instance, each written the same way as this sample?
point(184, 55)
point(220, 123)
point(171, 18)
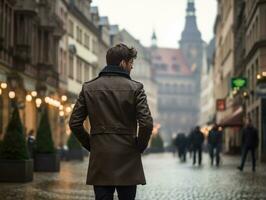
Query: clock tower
point(191, 43)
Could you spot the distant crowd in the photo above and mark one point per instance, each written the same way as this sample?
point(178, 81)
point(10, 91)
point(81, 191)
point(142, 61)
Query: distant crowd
point(193, 144)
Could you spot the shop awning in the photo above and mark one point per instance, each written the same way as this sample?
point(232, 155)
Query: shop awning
point(236, 119)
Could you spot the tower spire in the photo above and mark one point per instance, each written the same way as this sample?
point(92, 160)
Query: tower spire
point(191, 31)
point(154, 39)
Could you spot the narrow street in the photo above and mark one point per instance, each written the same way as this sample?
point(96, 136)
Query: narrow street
point(167, 179)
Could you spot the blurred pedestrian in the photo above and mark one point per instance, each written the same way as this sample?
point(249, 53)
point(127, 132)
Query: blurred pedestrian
point(31, 143)
point(117, 107)
point(215, 144)
point(250, 143)
point(181, 145)
point(197, 139)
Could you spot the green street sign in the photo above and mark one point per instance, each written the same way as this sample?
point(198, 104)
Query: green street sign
point(238, 82)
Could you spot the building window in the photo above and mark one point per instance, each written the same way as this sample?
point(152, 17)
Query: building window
point(86, 72)
point(87, 41)
point(71, 66)
point(94, 46)
point(71, 28)
point(79, 34)
point(79, 70)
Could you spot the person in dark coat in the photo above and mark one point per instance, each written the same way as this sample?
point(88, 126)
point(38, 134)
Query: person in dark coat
point(197, 139)
point(215, 144)
point(250, 142)
point(181, 143)
point(31, 142)
point(116, 107)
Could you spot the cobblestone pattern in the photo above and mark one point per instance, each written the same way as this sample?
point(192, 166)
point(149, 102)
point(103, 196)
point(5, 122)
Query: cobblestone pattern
point(167, 179)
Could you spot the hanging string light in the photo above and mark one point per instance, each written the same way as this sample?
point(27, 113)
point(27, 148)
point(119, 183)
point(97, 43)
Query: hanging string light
point(61, 113)
point(0, 91)
point(3, 85)
point(34, 93)
point(38, 102)
point(12, 94)
point(28, 98)
point(64, 98)
point(68, 109)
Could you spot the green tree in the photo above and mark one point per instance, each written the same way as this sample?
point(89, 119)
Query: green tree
point(73, 143)
point(157, 142)
point(44, 141)
point(14, 146)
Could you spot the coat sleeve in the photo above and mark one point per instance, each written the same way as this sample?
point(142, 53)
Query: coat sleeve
point(144, 119)
point(77, 118)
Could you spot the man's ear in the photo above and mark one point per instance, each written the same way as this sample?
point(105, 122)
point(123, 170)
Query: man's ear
point(123, 64)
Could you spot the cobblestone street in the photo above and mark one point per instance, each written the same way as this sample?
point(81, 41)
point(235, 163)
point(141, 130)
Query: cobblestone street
point(167, 178)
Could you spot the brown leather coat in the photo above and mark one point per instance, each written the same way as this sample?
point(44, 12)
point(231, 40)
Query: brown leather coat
point(116, 107)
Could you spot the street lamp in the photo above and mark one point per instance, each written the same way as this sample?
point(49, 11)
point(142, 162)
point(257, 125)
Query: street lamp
point(12, 94)
point(3, 85)
point(29, 98)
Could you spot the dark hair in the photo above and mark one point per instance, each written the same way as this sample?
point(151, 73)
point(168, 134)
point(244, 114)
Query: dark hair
point(120, 52)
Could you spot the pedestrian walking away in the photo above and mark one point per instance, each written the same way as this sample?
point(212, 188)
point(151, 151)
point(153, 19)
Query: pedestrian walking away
point(250, 143)
point(116, 106)
point(197, 139)
point(215, 144)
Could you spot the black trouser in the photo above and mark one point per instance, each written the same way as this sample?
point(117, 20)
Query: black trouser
point(217, 150)
point(244, 156)
point(182, 154)
point(195, 151)
point(107, 192)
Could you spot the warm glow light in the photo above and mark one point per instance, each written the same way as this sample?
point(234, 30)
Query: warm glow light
point(34, 93)
point(245, 94)
point(3, 85)
point(156, 129)
point(47, 99)
point(64, 98)
point(11, 94)
point(263, 73)
point(28, 97)
point(38, 101)
point(72, 106)
point(68, 109)
point(61, 107)
point(258, 76)
point(234, 92)
point(0, 91)
point(61, 113)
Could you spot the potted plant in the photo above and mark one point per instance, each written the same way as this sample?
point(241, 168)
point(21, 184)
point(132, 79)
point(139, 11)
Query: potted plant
point(156, 144)
point(46, 159)
point(75, 151)
point(15, 165)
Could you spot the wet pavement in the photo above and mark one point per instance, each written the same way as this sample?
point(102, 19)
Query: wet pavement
point(167, 179)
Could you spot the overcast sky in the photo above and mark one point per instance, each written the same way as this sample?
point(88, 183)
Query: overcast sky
point(167, 17)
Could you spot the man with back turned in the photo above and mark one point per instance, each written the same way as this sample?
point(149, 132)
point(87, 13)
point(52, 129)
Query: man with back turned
point(116, 107)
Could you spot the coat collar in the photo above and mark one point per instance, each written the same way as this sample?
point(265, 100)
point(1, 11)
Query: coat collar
point(110, 70)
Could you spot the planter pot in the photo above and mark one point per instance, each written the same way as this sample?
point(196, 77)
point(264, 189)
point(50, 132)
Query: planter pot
point(46, 162)
point(16, 170)
point(75, 154)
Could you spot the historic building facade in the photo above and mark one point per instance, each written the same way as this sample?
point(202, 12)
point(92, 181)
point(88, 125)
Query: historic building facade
point(207, 100)
point(224, 70)
point(178, 74)
point(255, 63)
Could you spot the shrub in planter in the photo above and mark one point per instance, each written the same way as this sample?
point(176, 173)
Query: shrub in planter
point(156, 144)
point(46, 158)
point(15, 165)
point(75, 151)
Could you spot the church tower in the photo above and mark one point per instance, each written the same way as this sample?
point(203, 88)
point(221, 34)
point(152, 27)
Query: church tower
point(191, 43)
point(153, 40)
